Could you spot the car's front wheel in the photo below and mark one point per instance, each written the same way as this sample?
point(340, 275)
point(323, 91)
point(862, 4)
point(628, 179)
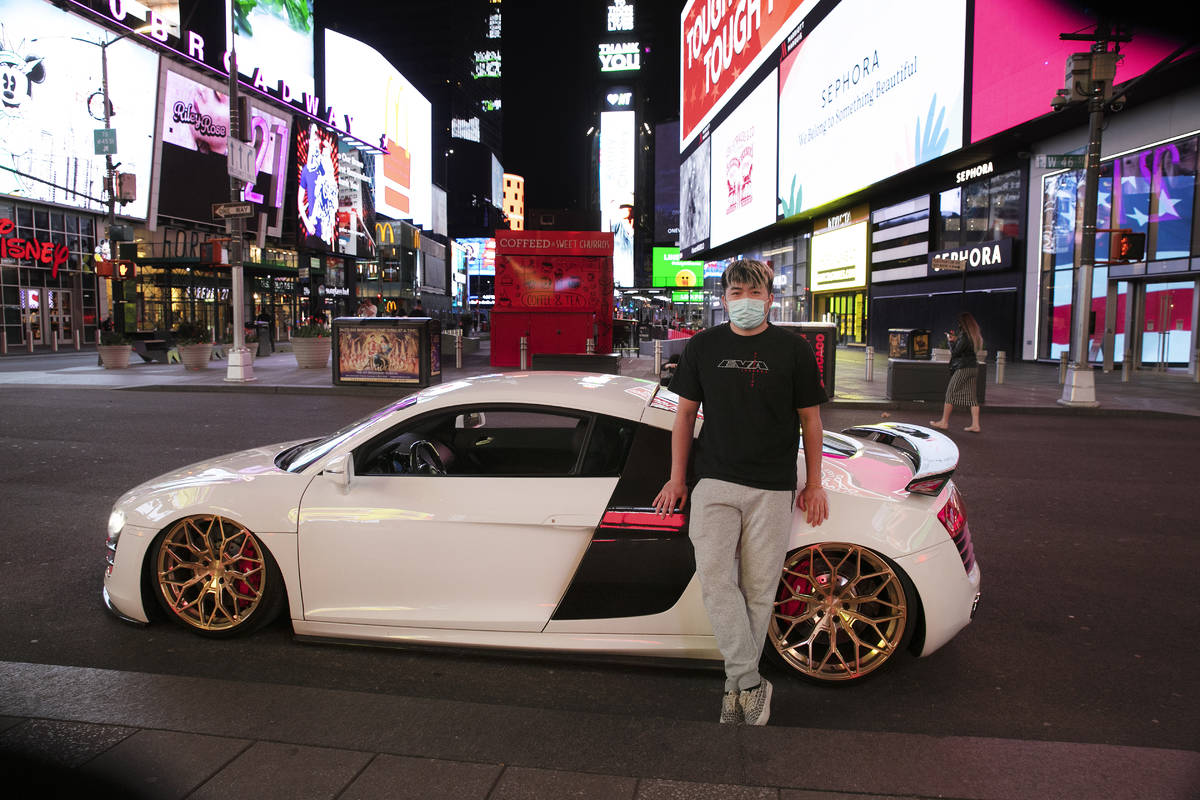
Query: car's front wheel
point(214, 577)
point(842, 612)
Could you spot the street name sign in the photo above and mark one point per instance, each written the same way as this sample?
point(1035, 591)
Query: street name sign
point(232, 210)
point(241, 161)
point(952, 264)
point(1070, 161)
point(106, 141)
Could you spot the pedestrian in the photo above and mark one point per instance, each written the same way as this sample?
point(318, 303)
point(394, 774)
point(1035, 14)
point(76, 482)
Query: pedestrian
point(264, 315)
point(963, 388)
point(759, 385)
point(418, 310)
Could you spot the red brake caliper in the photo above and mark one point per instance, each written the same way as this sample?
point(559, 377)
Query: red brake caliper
point(246, 565)
point(789, 587)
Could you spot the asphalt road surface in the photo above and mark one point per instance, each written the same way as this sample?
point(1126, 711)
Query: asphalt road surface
point(1085, 530)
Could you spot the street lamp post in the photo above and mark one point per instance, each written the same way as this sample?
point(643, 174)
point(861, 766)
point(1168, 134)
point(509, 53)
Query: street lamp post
point(240, 368)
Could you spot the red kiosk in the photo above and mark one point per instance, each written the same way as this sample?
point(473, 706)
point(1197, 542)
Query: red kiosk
point(556, 287)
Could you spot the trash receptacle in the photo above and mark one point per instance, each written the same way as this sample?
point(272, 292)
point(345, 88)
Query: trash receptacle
point(264, 339)
point(911, 343)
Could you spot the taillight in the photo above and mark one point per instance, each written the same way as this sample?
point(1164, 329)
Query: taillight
point(953, 517)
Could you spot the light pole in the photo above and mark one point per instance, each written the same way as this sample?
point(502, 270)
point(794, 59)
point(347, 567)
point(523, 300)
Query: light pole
point(240, 369)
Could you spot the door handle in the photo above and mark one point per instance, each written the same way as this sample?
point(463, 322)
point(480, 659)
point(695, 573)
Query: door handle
point(570, 521)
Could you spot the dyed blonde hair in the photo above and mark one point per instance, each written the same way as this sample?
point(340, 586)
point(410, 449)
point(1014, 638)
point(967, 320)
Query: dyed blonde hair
point(748, 272)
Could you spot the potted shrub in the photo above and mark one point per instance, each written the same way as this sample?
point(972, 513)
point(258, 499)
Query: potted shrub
point(195, 345)
point(310, 344)
point(114, 350)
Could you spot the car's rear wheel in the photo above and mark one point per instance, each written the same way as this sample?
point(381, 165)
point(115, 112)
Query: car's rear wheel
point(214, 577)
point(842, 612)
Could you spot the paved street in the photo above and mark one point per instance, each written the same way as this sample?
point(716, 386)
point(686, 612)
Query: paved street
point(1074, 677)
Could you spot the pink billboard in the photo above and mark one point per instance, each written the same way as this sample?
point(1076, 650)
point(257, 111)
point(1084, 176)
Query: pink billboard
point(1020, 62)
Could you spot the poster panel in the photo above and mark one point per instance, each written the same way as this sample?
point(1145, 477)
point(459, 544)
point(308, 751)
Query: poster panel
point(851, 116)
point(50, 62)
point(743, 169)
point(380, 354)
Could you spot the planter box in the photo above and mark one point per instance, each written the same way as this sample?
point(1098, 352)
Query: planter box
point(195, 356)
point(115, 356)
point(311, 352)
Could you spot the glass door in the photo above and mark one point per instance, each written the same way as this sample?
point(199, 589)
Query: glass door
point(58, 312)
point(1167, 326)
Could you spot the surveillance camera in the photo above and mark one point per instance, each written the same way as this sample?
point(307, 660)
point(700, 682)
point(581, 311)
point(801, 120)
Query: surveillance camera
point(1060, 100)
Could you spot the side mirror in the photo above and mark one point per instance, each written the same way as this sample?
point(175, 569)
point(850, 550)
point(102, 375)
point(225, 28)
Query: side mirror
point(339, 470)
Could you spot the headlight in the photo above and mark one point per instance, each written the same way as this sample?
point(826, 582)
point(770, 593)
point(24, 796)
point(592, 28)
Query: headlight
point(116, 521)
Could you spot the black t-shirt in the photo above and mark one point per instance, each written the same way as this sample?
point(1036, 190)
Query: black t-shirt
point(751, 388)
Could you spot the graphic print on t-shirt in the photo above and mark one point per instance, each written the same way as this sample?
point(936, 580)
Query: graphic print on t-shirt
point(751, 365)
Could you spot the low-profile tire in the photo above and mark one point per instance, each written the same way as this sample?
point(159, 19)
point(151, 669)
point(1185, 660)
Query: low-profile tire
point(214, 577)
point(842, 613)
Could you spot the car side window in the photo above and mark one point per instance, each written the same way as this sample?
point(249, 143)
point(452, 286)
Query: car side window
point(510, 441)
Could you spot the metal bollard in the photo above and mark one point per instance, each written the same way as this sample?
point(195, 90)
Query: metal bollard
point(658, 357)
point(524, 352)
point(590, 347)
point(1127, 367)
point(870, 363)
point(1001, 363)
point(29, 340)
point(1196, 366)
point(3, 342)
point(458, 350)
point(54, 341)
point(1063, 357)
point(75, 336)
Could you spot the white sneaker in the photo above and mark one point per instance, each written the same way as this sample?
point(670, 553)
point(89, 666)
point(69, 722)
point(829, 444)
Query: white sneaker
point(756, 703)
point(731, 709)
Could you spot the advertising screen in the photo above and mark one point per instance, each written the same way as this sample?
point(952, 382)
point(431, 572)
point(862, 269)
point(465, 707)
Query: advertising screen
point(669, 269)
point(850, 116)
point(356, 209)
point(191, 170)
point(317, 187)
point(617, 150)
point(1019, 60)
point(722, 45)
point(387, 109)
point(839, 258)
point(693, 198)
point(743, 166)
point(52, 105)
point(666, 182)
point(276, 39)
point(479, 256)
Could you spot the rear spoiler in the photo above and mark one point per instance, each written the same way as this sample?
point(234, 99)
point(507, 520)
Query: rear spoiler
point(934, 457)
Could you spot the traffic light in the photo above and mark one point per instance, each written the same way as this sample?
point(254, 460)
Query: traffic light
point(125, 270)
point(1126, 246)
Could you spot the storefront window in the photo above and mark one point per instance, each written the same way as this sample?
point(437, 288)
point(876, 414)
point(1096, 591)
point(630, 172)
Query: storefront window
point(980, 211)
point(1150, 191)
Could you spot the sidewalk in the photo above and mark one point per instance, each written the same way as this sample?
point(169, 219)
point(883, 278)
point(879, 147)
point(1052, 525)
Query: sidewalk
point(1027, 385)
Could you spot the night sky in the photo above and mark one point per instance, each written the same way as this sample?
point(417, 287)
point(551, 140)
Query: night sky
point(550, 73)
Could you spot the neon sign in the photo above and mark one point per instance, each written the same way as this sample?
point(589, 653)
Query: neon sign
point(48, 253)
point(619, 56)
point(620, 16)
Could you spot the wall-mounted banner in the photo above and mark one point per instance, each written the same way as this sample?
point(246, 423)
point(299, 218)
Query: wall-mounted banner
point(387, 107)
point(52, 105)
point(993, 256)
point(317, 187)
point(851, 116)
point(567, 243)
point(743, 174)
point(723, 43)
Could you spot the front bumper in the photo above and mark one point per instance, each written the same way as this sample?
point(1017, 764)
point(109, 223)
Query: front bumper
point(123, 580)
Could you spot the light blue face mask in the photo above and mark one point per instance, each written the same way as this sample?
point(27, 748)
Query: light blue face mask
point(747, 313)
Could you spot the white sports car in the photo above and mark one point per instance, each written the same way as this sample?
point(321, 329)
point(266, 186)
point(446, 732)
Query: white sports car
point(514, 511)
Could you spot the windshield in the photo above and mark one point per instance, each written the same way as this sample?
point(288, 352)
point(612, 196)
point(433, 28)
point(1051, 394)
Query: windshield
point(298, 458)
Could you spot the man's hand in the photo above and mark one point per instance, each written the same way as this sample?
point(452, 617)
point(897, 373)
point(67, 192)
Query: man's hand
point(673, 492)
point(815, 505)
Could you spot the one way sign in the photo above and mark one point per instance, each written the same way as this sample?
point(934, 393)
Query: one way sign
point(232, 210)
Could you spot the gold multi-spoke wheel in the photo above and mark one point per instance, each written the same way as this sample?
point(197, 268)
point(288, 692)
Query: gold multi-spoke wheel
point(214, 576)
point(841, 612)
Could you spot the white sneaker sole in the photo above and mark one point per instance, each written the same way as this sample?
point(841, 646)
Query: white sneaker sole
point(766, 712)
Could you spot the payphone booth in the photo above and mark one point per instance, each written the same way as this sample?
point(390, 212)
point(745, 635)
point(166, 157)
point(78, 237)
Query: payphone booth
point(555, 288)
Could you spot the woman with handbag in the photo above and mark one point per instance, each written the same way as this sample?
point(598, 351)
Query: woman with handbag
point(964, 372)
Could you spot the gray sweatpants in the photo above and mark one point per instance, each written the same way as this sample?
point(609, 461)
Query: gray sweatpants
point(739, 593)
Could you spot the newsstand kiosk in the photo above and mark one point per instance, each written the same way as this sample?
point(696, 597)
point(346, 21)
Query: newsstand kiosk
point(556, 289)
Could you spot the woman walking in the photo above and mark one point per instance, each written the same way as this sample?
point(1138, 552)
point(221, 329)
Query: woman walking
point(964, 372)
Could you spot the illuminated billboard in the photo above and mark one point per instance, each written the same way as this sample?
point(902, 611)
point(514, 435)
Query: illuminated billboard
point(617, 150)
point(386, 109)
point(666, 182)
point(743, 167)
point(694, 209)
point(52, 105)
point(839, 258)
point(274, 44)
point(872, 89)
point(190, 169)
point(356, 208)
point(668, 269)
point(317, 186)
point(722, 45)
point(1018, 59)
